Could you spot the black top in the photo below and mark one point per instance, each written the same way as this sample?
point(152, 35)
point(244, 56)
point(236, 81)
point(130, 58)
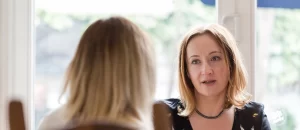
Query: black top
point(250, 116)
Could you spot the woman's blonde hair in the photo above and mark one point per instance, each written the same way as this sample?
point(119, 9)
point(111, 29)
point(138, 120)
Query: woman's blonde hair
point(236, 94)
point(111, 76)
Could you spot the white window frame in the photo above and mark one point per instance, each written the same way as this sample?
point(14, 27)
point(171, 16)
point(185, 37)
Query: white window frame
point(16, 57)
point(17, 50)
point(239, 17)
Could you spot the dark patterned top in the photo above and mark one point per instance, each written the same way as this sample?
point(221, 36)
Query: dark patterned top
point(250, 117)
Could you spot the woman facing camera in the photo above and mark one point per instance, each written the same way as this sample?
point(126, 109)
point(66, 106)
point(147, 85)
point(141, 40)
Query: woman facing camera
point(111, 78)
point(212, 85)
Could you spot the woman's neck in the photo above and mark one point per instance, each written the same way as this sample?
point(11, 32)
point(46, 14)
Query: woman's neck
point(210, 106)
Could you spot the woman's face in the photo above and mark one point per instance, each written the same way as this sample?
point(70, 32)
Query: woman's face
point(206, 66)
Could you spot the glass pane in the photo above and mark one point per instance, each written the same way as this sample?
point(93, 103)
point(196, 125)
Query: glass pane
point(59, 27)
point(278, 66)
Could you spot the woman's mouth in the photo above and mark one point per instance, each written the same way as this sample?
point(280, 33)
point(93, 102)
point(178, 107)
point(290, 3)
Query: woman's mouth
point(209, 82)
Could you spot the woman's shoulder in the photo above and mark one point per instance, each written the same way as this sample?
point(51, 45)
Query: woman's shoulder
point(173, 104)
point(179, 122)
point(175, 107)
point(53, 120)
point(253, 115)
point(251, 110)
point(252, 107)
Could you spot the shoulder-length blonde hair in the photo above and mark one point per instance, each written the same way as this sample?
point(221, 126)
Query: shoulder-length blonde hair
point(236, 94)
point(111, 76)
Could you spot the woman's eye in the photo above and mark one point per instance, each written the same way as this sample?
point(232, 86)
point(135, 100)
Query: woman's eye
point(195, 61)
point(215, 58)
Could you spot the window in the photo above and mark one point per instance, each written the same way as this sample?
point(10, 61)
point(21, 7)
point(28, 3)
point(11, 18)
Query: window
point(59, 27)
point(278, 66)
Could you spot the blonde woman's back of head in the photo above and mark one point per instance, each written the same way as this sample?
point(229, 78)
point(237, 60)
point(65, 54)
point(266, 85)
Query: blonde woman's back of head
point(111, 76)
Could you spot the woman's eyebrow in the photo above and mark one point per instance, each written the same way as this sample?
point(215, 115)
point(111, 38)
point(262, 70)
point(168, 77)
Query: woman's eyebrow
point(194, 56)
point(214, 52)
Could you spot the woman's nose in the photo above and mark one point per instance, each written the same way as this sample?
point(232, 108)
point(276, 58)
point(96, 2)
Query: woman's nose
point(206, 69)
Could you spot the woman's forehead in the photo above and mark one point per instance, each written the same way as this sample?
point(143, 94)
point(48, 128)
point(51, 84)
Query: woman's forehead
point(203, 45)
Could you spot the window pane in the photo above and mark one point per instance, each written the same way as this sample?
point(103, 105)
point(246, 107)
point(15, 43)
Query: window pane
point(278, 66)
point(59, 27)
